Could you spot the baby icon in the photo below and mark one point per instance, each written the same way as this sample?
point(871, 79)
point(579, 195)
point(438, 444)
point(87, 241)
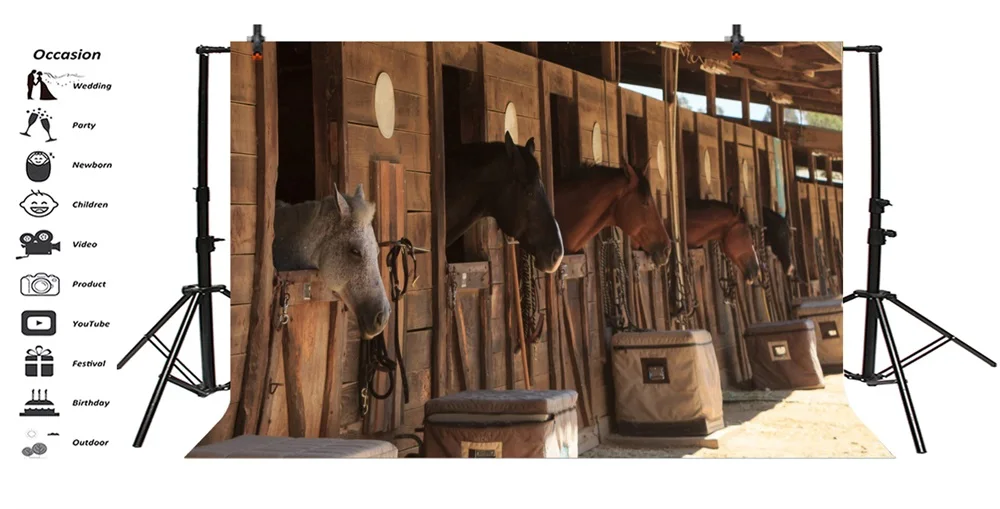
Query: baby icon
point(38, 204)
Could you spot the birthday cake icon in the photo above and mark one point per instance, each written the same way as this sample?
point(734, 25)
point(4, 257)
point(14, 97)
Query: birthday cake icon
point(39, 406)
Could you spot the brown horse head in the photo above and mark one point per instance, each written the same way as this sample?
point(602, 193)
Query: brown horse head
point(715, 220)
point(738, 245)
point(637, 215)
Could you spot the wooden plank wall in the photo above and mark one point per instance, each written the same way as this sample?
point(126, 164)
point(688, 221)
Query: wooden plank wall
point(406, 63)
point(511, 77)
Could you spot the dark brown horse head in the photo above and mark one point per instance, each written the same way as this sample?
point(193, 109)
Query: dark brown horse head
point(502, 181)
point(737, 243)
point(638, 216)
point(778, 235)
point(522, 210)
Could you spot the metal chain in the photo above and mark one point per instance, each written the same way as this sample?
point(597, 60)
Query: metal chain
point(282, 318)
point(614, 286)
point(723, 268)
point(760, 247)
point(528, 293)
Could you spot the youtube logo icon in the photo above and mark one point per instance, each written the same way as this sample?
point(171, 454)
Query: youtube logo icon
point(38, 323)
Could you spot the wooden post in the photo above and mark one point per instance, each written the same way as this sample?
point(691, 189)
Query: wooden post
point(710, 94)
point(530, 48)
point(745, 99)
point(778, 120)
point(258, 344)
point(609, 61)
point(439, 351)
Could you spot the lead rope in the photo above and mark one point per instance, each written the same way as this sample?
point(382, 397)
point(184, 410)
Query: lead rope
point(373, 355)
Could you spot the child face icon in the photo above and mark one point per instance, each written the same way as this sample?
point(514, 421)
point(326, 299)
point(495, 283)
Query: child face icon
point(38, 204)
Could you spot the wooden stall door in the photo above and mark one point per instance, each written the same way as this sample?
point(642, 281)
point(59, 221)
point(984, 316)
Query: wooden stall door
point(303, 393)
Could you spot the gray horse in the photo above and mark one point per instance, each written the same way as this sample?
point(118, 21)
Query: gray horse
point(335, 236)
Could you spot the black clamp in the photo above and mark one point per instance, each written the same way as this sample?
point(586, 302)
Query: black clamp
point(201, 194)
point(737, 40)
point(206, 244)
point(258, 43)
point(878, 205)
point(878, 235)
point(864, 49)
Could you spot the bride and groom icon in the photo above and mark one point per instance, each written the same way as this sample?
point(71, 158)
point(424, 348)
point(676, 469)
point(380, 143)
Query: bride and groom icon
point(35, 79)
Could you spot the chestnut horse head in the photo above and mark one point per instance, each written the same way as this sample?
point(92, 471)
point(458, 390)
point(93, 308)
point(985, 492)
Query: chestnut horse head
point(592, 197)
point(715, 220)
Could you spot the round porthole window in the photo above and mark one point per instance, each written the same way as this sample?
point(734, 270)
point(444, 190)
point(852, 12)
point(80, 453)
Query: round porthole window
point(661, 163)
point(385, 105)
point(510, 122)
point(597, 143)
point(706, 167)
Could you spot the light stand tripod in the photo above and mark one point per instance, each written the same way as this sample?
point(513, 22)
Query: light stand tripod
point(196, 297)
point(875, 315)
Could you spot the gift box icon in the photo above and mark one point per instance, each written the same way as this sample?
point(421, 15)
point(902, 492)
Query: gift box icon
point(38, 362)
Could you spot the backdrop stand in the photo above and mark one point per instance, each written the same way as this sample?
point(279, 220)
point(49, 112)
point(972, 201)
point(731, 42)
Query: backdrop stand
point(197, 297)
point(875, 316)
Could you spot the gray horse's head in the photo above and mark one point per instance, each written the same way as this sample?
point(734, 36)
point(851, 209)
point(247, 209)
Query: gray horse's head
point(348, 259)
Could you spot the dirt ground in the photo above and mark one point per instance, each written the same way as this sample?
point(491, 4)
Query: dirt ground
point(777, 424)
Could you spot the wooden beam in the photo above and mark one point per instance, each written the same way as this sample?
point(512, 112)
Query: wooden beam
point(777, 120)
point(531, 48)
point(745, 100)
point(439, 350)
point(609, 61)
point(753, 56)
point(710, 94)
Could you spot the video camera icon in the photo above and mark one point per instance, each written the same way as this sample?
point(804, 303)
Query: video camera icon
point(38, 244)
point(40, 285)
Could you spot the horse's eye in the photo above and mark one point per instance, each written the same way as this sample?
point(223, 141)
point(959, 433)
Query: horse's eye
point(356, 252)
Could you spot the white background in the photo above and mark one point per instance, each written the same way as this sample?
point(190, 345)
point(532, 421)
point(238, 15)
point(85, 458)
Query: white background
point(938, 131)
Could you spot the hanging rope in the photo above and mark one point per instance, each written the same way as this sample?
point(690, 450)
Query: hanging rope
point(373, 355)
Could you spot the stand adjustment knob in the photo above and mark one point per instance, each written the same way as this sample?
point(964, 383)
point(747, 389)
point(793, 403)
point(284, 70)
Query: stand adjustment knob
point(889, 233)
point(878, 205)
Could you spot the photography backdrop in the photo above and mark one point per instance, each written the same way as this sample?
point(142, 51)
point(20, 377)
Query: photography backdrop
point(937, 173)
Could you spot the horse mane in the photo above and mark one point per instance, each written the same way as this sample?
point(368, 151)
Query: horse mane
point(702, 204)
point(362, 210)
point(589, 170)
point(480, 153)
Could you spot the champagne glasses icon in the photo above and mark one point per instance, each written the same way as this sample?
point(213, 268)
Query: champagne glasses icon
point(33, 116)
point(45, 125)
point(31, 121)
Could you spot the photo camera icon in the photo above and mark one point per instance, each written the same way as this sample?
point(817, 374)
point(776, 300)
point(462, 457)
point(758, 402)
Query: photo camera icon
point(39, 285)
point(38, 244)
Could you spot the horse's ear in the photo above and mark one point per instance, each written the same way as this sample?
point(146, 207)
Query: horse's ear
point(530, 145)
point(509, 144)
point(342, 206)
point(359, 192)
point(629, 171)
point(645, 169)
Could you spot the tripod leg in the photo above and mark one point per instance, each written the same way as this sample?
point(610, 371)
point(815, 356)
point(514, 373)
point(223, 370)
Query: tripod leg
point(940, 330)
point(904, 390)
point(156, 328)
point(165, 374)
